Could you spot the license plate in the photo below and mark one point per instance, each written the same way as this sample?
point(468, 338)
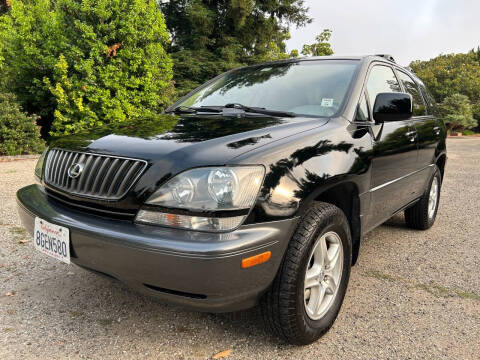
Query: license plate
point(52, 240)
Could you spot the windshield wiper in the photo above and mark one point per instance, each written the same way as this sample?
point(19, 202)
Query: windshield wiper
point(219, 109)
point(260, 110)
point(193, 110)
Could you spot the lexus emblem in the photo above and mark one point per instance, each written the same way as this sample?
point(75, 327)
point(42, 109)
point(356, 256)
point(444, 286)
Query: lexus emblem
point(75, 170)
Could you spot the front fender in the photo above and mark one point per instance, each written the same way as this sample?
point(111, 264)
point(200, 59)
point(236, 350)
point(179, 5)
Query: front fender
point(300, 168)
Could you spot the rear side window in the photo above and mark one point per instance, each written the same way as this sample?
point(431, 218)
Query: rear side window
point(412, 88)
point(429, 101)
point(381, 80)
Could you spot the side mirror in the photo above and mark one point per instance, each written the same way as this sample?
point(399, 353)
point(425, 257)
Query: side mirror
point(392, 107)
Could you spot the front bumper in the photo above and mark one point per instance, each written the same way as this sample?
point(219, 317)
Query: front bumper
point(198, 270)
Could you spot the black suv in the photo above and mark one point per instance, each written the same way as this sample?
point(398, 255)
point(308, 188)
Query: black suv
point(257, 187)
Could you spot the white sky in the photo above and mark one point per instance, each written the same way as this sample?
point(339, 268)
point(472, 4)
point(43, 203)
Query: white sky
point(407, 29)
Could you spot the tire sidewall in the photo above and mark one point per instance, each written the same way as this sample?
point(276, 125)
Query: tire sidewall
point(436, 174)
point(314, 328)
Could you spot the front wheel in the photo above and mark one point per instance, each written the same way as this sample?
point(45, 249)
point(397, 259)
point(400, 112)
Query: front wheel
point(308, 291)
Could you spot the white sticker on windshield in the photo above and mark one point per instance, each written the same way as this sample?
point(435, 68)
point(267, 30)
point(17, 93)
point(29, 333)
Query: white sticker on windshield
point(327, 102)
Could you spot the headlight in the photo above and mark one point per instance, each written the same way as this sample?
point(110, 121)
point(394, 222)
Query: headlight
point(205, 197)
point(39, 166)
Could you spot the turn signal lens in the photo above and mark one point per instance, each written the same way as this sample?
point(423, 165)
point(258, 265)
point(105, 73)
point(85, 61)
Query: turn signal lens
point(256, 260)
point(189, 222)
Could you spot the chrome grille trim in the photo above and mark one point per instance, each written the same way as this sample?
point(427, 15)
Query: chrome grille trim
point(104, 177)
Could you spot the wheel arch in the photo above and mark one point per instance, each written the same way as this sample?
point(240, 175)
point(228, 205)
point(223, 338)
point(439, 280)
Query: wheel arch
point(441, 162)
point(345, 196)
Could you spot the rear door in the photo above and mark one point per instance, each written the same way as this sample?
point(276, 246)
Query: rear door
point(394, 153)
point(427, 128)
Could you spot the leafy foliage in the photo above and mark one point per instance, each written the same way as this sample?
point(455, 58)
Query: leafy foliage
point(212, 36)
point(30, 44)
point(447, 75)
point(84, 63)
point(476, 111)
point(451, 74)
point(18, 132)
point(457, 112)
point(116, 68)
point(321, 47)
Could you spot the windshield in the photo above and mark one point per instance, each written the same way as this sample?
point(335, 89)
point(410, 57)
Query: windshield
point(316, 88)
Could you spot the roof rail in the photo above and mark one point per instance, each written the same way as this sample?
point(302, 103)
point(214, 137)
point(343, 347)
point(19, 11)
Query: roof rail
point(387, 57)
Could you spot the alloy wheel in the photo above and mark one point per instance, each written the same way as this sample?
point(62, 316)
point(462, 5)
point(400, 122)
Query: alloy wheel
point(323, 275)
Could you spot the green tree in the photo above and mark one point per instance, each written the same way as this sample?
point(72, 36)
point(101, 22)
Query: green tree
point(451, 74)
point(321, 47)
point(116, 67)
point(457, 112)
point(476, 112)
point(18, 132)
point(212, 36)
point(30, 42)
point(84, 63)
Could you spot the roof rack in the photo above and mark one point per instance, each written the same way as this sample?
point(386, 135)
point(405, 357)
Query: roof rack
point(387, 57)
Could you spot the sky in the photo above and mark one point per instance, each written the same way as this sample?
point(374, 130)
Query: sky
point(406, 29)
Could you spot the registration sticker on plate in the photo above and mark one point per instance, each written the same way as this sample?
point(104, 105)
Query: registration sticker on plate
point(52, 240)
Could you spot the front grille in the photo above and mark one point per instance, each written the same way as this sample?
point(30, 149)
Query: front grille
point(101, 176)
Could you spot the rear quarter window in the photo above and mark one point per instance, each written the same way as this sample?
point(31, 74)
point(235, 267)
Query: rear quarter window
point(429, 100)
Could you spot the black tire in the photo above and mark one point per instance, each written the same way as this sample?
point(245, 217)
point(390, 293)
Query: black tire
point(283, 306)
point(416, 216)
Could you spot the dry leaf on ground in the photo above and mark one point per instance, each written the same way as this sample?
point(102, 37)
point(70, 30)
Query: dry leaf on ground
point(222, 354)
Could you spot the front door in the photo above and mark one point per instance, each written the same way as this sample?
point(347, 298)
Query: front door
point(394, 154)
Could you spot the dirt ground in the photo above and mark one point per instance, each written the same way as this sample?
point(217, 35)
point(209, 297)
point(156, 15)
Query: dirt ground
point(412, 295)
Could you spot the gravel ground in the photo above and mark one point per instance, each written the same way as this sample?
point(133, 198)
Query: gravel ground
point(412, 295)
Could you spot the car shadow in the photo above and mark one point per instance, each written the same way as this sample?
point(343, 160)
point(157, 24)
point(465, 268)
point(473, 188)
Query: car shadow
point(99, 303)
point(396, 221)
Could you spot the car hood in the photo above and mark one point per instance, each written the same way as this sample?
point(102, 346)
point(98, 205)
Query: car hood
point(192, 140)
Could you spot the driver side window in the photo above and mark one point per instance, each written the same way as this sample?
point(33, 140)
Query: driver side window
point(381, 80)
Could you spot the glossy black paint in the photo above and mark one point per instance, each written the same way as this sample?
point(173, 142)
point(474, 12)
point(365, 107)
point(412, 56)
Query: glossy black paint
point(172, 144)
point(392, 107)
point(369, 170)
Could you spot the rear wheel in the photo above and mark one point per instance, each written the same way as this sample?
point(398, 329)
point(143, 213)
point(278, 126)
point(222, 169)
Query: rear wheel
point(422, 215)
point(308, 291)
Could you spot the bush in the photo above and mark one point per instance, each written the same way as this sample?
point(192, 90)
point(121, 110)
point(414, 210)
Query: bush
point(468, 132)
point(457, 112)
point(31, 42)
point(19, 133)
point(83, 63)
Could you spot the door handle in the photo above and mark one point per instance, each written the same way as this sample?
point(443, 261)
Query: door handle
point(411, 135)
point(436, 130)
